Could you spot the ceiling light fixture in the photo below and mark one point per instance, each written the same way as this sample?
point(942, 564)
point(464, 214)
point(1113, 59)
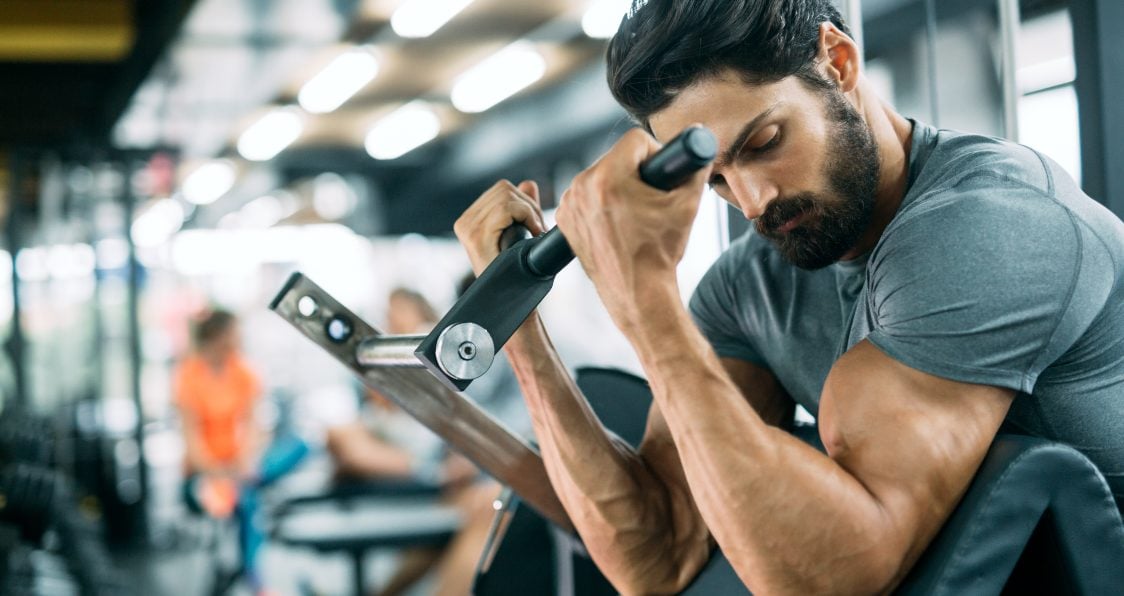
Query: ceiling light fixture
point(158, 223)
point(603, 18)
point(403, 130)
point(420, 18)
point(498, 77)
point(209, 182)
point(270, 135)
point(344, 76)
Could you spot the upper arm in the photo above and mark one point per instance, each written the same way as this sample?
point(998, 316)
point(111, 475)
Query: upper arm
point(913, 440)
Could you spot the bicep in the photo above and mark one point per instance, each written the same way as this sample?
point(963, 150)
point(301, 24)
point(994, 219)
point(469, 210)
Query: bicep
point(913, 440)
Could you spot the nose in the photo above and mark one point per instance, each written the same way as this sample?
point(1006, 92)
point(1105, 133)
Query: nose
point(751, 194)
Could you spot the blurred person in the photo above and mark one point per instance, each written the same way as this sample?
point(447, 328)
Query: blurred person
point(225, 459)
point(384, 442)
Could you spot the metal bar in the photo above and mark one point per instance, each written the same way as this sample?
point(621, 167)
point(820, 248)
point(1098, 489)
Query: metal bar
point(128, 201)
point(15, 344)
point(855, 23)
point(1100, 93)
point(723, 217)
point(931, 60)
point(1009, 20)
point(450, 415)
point(391, 351)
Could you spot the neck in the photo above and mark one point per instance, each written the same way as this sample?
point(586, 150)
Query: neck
point(214, 360)
point(893, 135)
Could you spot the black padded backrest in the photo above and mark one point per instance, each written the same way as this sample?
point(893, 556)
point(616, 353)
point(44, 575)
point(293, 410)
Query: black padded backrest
point(1037, 518)
point(1034, 500)
point(620, 399)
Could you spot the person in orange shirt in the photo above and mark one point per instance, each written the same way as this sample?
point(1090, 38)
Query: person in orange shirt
point(217, 395)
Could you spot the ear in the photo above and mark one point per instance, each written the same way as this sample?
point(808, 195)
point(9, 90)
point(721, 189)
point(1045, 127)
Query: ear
point(838, 57)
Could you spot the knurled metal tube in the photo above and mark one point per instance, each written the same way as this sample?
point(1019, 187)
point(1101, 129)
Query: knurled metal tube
point(389, 351)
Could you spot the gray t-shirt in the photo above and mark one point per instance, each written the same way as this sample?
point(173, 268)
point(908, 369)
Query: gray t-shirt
point(997, 270)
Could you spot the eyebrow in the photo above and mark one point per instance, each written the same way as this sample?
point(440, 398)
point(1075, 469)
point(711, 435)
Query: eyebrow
point(743, 136)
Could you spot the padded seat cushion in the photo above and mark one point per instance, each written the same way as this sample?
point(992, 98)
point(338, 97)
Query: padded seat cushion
point(372, 524)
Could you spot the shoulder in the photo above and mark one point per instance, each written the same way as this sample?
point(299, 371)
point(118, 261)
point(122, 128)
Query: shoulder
point(244, 372)
point(980, 197)
point(960, 160)
point(187, 378)
point(188, 369)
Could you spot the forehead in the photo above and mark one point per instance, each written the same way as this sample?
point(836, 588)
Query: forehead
point(724, 103)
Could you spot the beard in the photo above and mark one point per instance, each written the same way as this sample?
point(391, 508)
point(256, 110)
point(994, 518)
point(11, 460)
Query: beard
point(834, 223)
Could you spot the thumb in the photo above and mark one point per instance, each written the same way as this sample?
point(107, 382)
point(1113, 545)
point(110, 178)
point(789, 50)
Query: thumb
point(531, 189)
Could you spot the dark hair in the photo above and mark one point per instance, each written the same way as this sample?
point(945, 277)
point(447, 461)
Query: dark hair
point(212, 326)
point(664, 46)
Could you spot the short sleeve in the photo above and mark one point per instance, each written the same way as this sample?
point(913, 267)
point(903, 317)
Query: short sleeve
point(987, 286)
point(249, 385)
point(714, 307)
point(184, 388)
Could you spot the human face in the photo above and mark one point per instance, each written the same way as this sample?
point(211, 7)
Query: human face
point(225, 344)
point(403, 316)
point(800, 162)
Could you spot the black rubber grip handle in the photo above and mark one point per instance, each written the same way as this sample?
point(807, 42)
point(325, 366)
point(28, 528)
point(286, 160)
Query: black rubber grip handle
point(669, 168)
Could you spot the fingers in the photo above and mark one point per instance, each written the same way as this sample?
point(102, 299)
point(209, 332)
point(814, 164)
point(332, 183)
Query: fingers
point(531, 189)
point(479, 228)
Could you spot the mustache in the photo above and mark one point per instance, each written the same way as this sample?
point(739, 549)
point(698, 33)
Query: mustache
point(781, 211)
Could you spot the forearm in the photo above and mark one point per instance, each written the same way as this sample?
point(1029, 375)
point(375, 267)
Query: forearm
point(789, 518)
point(618, 505)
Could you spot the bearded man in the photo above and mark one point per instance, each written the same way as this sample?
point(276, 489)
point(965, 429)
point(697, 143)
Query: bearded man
point(915, 289)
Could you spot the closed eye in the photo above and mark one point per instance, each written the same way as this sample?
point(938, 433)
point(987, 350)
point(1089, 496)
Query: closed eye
point(768, 145)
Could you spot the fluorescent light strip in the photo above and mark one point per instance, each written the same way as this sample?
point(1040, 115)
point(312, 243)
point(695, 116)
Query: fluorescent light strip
point(343, 77)
point(402, 131)
point(498, 77)
point(209, 182)
point(270, 135)
point(421, 18)
point(603, 18)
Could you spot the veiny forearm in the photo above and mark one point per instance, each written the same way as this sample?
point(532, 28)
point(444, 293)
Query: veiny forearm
point(789, 519)
point(619, 506)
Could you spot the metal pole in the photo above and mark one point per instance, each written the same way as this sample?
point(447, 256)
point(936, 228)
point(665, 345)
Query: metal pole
point(390, 351)
point(1100, 93)
point(931, 59)
point(724, 231)
point(1009, 20)
point(133, 305)
point(855, 23)
point(14, 346)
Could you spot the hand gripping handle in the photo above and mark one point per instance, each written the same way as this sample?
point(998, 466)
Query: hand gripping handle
point(669, 168)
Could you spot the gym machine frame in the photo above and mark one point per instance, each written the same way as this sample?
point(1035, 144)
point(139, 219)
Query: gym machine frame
point(424, 374)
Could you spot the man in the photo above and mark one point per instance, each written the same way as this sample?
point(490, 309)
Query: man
point(914, 289)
